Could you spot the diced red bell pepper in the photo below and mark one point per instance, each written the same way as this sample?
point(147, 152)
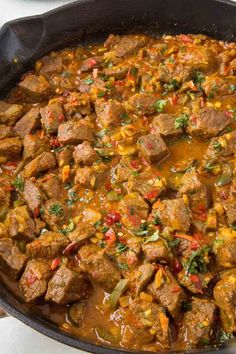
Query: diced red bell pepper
point(151, 195)
point(110, 237)
point(112, 217)
point(55, 263)
point(36, 212)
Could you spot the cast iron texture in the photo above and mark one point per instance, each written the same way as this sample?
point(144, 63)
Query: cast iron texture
point(25, 40)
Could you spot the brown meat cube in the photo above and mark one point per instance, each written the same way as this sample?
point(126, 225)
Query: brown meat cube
point(152, 147)
point(55, 213)
point(230, 210)
point(166, 290)
point(77, 104)
point(173, 75)
point(195, 190)
point(85, 154)
point(224, 294)
point(149, 184)
point(48, 245)
point(50, 64)
point(66, 286)
point(83, 231)
point(109, 113)
point(10, 148)
point(124, 169)
point(51, 117)
point(5, 197)
point(41, 163)
point(143, 323)
point(75, 132)
point(10, 113)
point(195, 287)
point(65, 157)
point(32, 195)
point(156, 252)
point(172, 213)
point(225, 247)
point(197, 324)
point(36, 87)
point(91, 63)
point(142, 103)
point(90, 177)
point(34, 146)
point(19, 224)
point(143, 276)
point(5, 131)
point(133, 210)
point(97, 264)
point(207, 123)
point(199, 57)
point(164, 124)
point(51, 185)
point(223, 146)
point(34, 280)
point(119, 72)
point(125, 45)
point(11, 259)
point(28, 123)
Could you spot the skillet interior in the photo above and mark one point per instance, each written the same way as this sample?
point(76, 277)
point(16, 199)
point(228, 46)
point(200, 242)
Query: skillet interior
point(25, 40)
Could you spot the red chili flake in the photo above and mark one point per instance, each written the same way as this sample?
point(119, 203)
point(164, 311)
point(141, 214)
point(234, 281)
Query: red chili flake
point(108, 186)
point(55, 263)
point(112, 217)
point(194, 278)
point(119, 83)
point(201, 216)
point(36, 212)
point(174, 99)
point(61, 118)
point(149, 145)
point(55, 142)
point(193, 119)
point(132, 259)
point(185, 38)
point(122, 240)
point(71, 248)
point(177, 266)
point(91, 62)
point(134, 164)
point(175, 289)
point(110, 237)
point(151, 195)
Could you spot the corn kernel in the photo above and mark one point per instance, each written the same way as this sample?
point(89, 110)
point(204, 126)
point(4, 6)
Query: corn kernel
point(146, 297)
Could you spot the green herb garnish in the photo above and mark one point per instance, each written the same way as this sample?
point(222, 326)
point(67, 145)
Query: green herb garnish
point(121, 247)
point(89, 81)
point(18, 183)
point(56, 209)
point(100, 94)
point(160, 105)
point(181, 121)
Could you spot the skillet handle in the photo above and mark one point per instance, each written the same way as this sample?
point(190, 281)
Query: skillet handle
point(2, 313)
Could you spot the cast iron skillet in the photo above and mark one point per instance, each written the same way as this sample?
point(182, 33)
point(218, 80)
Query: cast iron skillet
point(25, 40)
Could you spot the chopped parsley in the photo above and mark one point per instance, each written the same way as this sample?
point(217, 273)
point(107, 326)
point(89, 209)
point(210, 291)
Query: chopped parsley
point(121, 247)
point(174, 243)
point(73, 197)
point(135, 173)
point(69, 228)
point(143, 231)
point(196, 262)
point(154, 237)
point(56, 209)
point(133, 71)
point(104, 229)
point(89, 81)
point(102, 133)
point(217, 145)
point(223, 336)
point(171, 86)
point(186, 306)
point(18, 183)
point(101, 94)
point(198, 77)
point(97, 224)
point(102, 244)
point(181, 121)
point(160, 105)
point(123, 266)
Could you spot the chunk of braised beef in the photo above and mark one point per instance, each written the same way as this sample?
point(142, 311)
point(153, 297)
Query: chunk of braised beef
point(48, 245)
point(97, 264)
point(91, 63)
point(84, 153)
point(152, 147)
point(165, 125)
point(66, 286)
point(83, 231)
point(222, 146)
point(224, 295)
point(10, 113)
point(77, 104)
point(125, 168)
point(5, 197)
point(125, 45)
point(34, 146)
point(28, 123)
point(109, 113)
point(51, 185)
point(173, 213)
point(75, 132)
point(143, 276)
point(142, 103)
point(149, 184)
point(225, 247)
point(196, 192)
point(51, 117)
point(19, 224)
point(90, 177)
point(43, 162)
point(5, 131)
point(65, 157)
point(145, 322)
point(34, 280)
point(36, 87)
point(198, 324)
point(173, 75)
point(11, 259)
point(156, 251)
point(167, 291)
point(32, 195)
point(208, 122)
point(50, 64)
point(10, 148)
point(55, 213)
point(133, 210)
point(197, 284)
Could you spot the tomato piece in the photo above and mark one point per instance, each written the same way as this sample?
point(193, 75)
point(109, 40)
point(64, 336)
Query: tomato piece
point(110, 237)
point(36, 212)
point(112, 217)
point(55, 263)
